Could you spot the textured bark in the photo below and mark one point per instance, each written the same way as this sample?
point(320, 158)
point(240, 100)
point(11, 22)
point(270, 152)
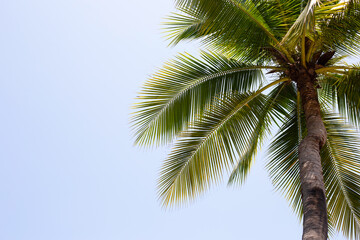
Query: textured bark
point(315, 225)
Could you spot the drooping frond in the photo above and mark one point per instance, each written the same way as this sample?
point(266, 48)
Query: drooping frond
point(273, 109)
point(344, 88)
point(244, 162)
point(341, 168)
point(348, 96)
point(183, 88)
point(212, 143)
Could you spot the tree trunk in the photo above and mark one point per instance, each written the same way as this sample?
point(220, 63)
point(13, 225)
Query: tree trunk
point(315, 225)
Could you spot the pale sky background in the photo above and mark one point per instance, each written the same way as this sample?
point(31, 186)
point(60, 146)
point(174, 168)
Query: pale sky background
point(69, 72)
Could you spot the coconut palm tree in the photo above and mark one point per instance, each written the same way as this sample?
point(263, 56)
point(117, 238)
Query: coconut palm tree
point(218, 108)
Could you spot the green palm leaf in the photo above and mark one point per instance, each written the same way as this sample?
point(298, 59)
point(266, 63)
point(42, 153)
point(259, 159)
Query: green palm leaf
point(236, 27)
point(341, 167)
point(315, 13)
point(344, 91)
point(272, 110)
point(348, 96)
point(341, 31)
point(183, 88)
point(211, 145)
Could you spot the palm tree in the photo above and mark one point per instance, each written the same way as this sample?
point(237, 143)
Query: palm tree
point(218, 108)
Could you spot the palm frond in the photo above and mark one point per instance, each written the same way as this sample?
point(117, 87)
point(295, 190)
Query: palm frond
point(344, 88)
point(210, 145)
point(340, 31)
point(348, 96)
point(305, 26)
point(183, 88)
point(273, 110)
point(341, 168)
point(232, 26)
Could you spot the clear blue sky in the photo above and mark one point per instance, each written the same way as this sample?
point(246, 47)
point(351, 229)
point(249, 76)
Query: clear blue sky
point(69, 71)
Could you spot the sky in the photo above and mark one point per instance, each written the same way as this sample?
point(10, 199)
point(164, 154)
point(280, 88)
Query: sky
point(69, 72)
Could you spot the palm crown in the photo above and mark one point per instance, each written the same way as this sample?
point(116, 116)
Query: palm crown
point(220, 107)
